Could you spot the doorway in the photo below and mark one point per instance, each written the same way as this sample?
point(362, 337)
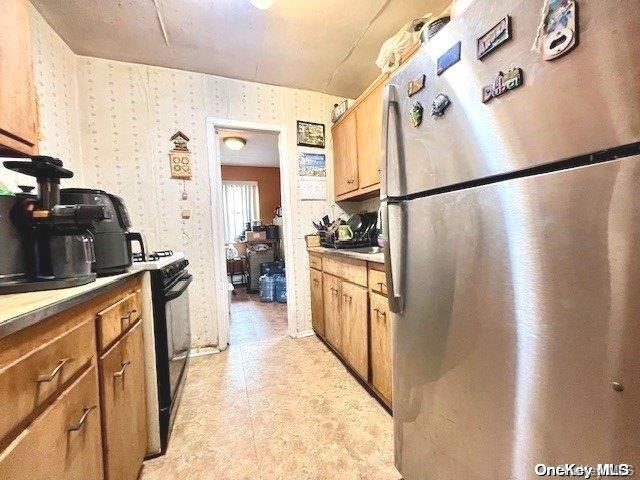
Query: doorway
point(253, 232)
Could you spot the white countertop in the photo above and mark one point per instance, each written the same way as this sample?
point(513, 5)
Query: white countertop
point(368, 257)
point(19, 310)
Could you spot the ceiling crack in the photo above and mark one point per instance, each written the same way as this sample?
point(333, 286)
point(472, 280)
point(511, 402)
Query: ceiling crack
point(161, 22)
point(382, 8)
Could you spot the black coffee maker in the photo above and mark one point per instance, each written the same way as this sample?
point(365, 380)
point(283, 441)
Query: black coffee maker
point(57, 241)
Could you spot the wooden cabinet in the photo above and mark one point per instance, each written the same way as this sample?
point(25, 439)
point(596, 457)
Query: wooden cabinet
point(116, 319)
point(381, 346)
point(315, 262)
point(332, 296)
point(350, 269)
point(345, 155)
point(62, 443)
point(355, 341)
point(357, 136)
point(124, 408)
point(35, 378)
point(369, 138)
point(377, 280)
point(52, 425)
point(350, 314)
point(317, 302)
point(18, 113)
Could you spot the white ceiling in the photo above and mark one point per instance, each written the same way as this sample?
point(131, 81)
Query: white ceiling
point(296, 43)
point(261, 149)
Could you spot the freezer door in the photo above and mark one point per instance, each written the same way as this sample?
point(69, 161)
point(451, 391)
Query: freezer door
point(583, 102)
point(521, 311)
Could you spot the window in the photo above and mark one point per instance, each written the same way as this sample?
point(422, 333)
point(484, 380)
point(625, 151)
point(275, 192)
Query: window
point(241, 203)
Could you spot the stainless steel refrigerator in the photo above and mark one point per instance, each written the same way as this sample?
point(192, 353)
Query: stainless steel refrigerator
point(513, 245)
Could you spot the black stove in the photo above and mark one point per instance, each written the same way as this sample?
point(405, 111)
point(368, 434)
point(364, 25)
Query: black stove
point(172, 331)
point(152, 257)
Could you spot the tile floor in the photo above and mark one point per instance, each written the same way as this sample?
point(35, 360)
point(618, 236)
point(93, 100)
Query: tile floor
point(274, 408)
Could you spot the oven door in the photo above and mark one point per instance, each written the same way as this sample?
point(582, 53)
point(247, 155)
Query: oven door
point(176, 304)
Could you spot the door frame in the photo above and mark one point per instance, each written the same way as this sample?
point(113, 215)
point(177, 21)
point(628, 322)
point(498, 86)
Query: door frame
point(220, 280)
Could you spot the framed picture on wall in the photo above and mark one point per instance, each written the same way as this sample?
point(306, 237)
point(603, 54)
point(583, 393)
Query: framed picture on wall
point(310, 134)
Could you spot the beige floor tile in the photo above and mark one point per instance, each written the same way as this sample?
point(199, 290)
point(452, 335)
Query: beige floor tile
point(274, 408)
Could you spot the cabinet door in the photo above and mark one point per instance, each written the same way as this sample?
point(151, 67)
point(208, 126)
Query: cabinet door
point(317, 299)
point(332, 316)
point(62, 443)
point(381, 346)
point(345, 155)
point(18, 115)
point(355, 313)
point(369, 135)
point(124, 407)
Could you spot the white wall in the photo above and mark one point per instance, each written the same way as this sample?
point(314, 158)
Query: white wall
point(128, 113)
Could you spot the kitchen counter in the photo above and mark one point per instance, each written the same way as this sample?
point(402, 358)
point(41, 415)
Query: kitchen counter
point(21, 310)
point(358, 255)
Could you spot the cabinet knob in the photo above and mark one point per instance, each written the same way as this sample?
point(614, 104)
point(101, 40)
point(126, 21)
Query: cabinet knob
point(350, 181)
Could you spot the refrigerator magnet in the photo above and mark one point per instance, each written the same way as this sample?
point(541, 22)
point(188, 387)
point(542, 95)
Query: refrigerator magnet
point(449, 58)
point(560, 29)
point(416, 114)
point(504, 83)
point(494, 38)
point(415, 85)
point(440, 105)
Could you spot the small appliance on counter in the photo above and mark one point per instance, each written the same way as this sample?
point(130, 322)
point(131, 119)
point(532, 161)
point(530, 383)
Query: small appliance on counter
point(112, 238)
point(57, 243)
point(358, 231)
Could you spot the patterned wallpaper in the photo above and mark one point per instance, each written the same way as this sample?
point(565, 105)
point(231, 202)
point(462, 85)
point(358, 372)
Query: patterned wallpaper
point(129, 112)
point(113, 121)
point(55, 74)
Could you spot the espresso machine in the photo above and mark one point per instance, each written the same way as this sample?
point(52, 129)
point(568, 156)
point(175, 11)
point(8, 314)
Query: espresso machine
point(57, 242)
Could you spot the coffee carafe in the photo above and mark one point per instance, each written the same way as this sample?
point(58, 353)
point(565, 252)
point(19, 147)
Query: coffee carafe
point(57, 238)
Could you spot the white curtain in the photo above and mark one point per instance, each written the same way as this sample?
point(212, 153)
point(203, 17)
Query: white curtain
point(241, 204)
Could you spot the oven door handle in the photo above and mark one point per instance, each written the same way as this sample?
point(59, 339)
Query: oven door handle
point(179, 288)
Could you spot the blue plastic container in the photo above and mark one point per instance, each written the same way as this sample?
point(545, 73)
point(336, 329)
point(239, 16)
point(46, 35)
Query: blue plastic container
point(280, 288)
point(266, 284)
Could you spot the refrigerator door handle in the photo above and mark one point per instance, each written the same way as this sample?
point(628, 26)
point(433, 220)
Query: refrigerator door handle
point(390, 100)
point(394, 276)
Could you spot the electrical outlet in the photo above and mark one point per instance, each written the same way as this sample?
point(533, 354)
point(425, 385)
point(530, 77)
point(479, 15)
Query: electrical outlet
point(186, 213)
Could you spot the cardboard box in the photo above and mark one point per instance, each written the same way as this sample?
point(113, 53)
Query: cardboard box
point(253, 236)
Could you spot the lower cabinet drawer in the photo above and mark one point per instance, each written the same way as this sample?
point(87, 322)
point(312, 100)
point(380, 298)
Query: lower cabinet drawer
point(62, 443)
point(117, 319)
point(377, 281)
point(124, 407)
point(354, 271)
point(37, 377)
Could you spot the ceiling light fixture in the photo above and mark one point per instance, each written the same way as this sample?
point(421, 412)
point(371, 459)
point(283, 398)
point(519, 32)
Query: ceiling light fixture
point(262, 4)
point(234, 143)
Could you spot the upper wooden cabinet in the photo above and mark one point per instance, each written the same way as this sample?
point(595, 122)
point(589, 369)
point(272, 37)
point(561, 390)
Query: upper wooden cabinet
point(356, 146)
point(369, 138)
point(18, 113)
point(345, 154)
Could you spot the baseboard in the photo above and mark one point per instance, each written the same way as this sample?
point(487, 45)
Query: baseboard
point(305, 333)
point(203, 351)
